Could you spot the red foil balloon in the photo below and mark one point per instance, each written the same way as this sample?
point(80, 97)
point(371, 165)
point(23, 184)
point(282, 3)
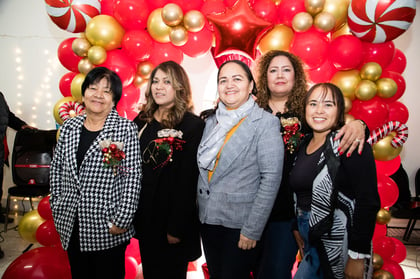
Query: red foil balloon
point(237, 29)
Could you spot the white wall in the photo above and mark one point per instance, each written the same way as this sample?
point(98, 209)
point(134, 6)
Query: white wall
point(30, 72)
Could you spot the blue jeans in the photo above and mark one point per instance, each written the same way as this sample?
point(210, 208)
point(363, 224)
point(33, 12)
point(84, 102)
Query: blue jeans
point(278, 252)
point(310, 266)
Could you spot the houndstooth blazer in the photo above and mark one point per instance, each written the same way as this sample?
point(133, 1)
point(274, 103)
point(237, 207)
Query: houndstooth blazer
point(94, 194)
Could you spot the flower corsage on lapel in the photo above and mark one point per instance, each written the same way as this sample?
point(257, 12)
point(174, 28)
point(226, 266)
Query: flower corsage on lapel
point(113, 154)
point(291, 133)
point(160, 151)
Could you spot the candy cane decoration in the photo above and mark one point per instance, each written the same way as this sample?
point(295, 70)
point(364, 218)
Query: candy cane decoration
point(70, 109)
point(386, 129)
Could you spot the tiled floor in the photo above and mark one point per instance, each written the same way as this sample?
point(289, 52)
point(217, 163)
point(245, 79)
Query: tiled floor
point(13, 246)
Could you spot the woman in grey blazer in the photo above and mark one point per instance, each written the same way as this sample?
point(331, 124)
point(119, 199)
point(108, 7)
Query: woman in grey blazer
point(240, 158)
point(95, 181)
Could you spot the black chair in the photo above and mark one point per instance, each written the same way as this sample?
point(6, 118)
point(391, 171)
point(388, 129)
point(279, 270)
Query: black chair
point(414, 213)
point(31, 159)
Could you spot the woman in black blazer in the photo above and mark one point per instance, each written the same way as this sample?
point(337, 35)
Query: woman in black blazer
point(167, 221)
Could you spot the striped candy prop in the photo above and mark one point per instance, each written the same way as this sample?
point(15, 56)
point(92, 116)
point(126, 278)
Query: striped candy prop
point(70, 109)
point(379, 21)
point(386, 129)
point(72, 15)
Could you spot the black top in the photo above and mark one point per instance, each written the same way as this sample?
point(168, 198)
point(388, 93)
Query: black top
point(86, 139)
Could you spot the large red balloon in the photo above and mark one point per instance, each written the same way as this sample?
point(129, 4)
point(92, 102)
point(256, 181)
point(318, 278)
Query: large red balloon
point(213, 7)
point(398, 112)
point(389, 167)
point(188, 5)
point(400, 251)
point(345, 52)
point(387, 189)
point(132, 14)
point(127, 106)
point(47, 235)
point(131, 267)
point(164, 52)
point(382, 53)
point(311, 46)
point(287, 9)
point(138, 44)
point(40, 263)
point(399, 79)
point(373, 112)
point(199, 43)
point(65, 84)
point(384, 246)
point(44, 208)
point(265, 9)
point(399, 62)
point(394, 268)
point(67, 57)
point(118, 61)
point(107, 7)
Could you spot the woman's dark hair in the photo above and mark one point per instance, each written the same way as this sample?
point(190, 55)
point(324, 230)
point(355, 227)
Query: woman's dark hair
point(97, 74)
point(294, 102)
point(183, 96)
point(247, 71)
point(338, 100)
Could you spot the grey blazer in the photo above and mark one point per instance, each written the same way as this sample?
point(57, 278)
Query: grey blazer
point(247, 177)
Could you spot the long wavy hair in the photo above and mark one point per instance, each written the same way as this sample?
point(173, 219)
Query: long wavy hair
point(295, 102)
point(183, 96)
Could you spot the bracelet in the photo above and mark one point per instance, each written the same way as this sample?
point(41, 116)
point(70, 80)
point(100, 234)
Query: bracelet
point(357, 256)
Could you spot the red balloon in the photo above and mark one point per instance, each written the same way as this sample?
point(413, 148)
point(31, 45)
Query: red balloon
point(380, 230)
point(287, 9)
point(42, 262)
point(132, 14)
point(118, 61)
point(164, 52)
point(127, 106)
point(394, 268)
point(387, 189)
point(154, 4)
point(65, 84)
point(199, 43)
point(399, 79)
point(213, 7)
point(67, 57)
point(398, 112)
point(238, 28)
point(345, 52)
point(137, 44)
point(188, 5)
point(373, 112)
point(265, 9)
point(388, 168)
point(133, 250)
point(400, 251)
point(324, 73)
point(47, 235)
point(107, 7)
point(131, 268)
point(44, 208)
point(311, 46)
point(399, 62)
point(382, 53)
point(384, 246)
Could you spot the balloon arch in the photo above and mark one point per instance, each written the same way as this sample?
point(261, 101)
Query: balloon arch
point(348, 43)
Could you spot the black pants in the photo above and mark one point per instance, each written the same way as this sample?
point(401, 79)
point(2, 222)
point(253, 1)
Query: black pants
point(224, 259)
point(104, 264)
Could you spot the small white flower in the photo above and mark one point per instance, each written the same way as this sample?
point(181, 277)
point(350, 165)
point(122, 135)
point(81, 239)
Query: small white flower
point(169, 133)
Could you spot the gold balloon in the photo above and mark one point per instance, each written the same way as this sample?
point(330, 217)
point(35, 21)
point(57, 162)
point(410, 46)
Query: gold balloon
point(96, 55)
point(383, 216)
point(172, 14)
point(76, 86)
point(178, 35)
point(85, 66)
point(157, 28)
point(314, 6)
point(57, 105)
point(371, 70)
point(194, 21)
point(348, 118)
point(29, 224)
point(104, 31)
point(377, 261)
point(279, 38)
point(387, 87)
point(382, 274)
point(144, 69)
point(384, 151)
point(348, 104)
point(80, 46)
point(338, 8)
point(347, 81)
point(139, 81)
point(324, 21)
point(302, 22)
point(344, 30)
point(365, 90)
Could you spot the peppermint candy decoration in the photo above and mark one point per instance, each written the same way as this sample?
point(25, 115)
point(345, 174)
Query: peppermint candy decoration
point(72, 15)
point(379, 21)
point(70, 109)
point(386, 129)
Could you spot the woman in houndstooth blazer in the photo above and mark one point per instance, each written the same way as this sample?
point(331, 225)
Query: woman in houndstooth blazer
point(95, 181)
